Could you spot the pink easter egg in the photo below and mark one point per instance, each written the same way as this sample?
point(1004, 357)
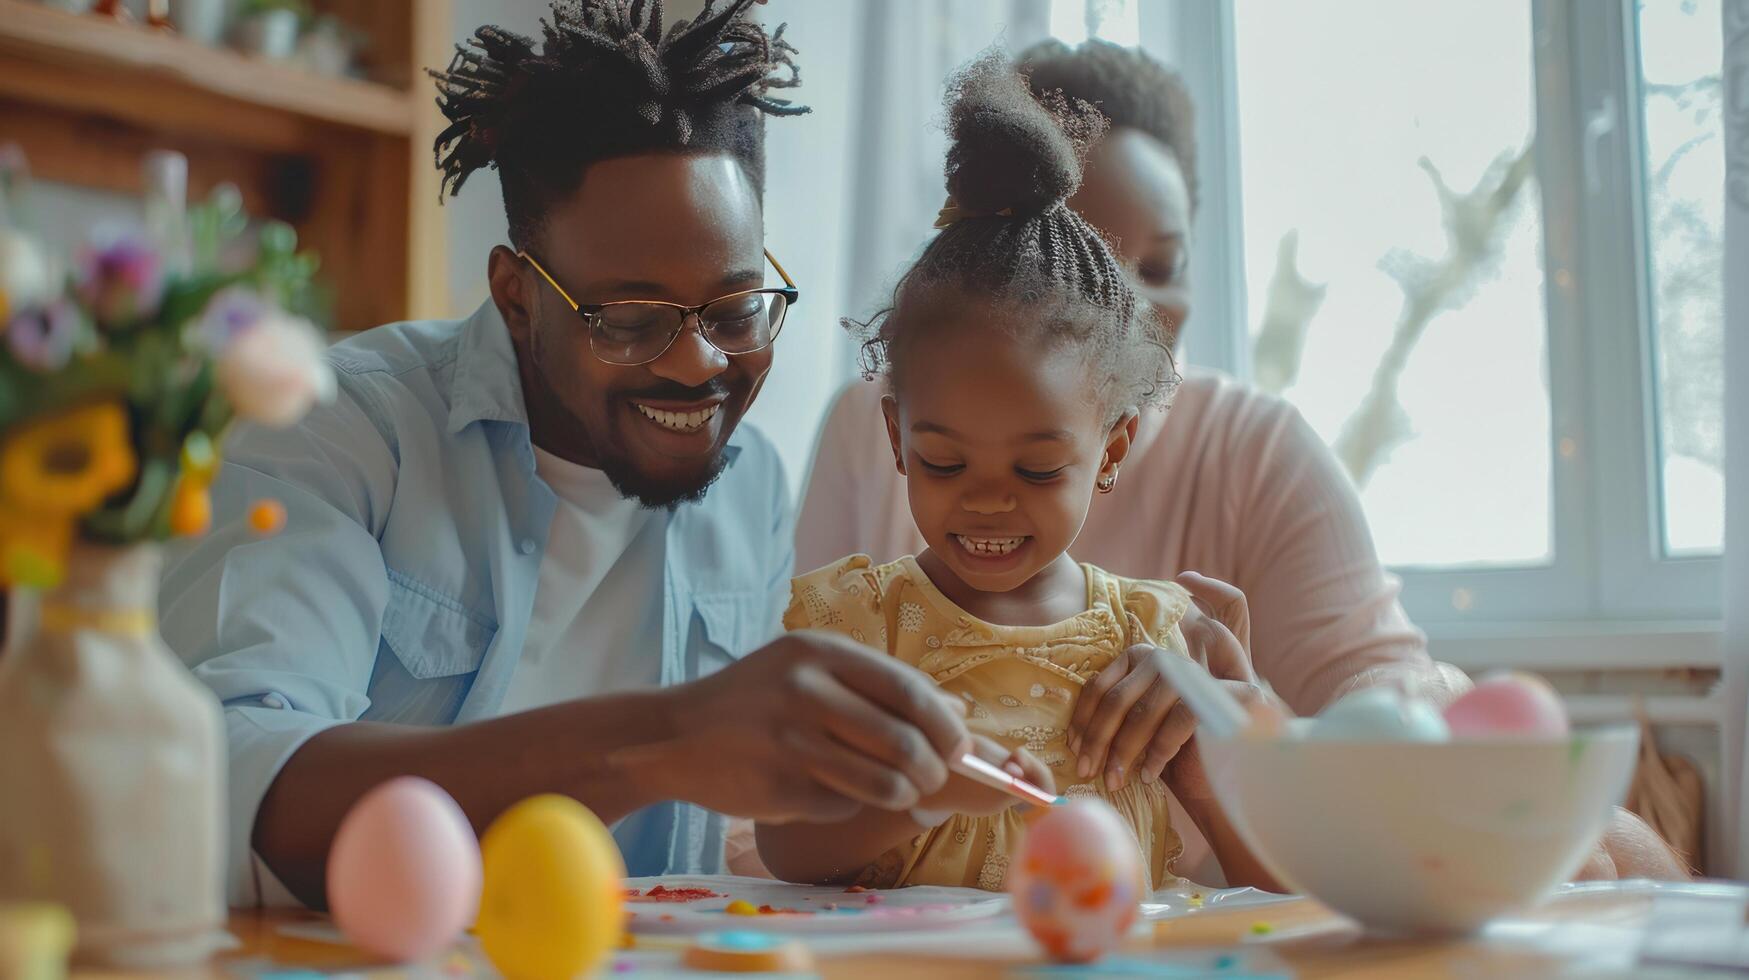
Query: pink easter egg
point(404, 871)
point(1078, 880)
point(1508, 704)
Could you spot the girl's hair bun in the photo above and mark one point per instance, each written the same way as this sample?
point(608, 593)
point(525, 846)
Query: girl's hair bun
point(1013, 151)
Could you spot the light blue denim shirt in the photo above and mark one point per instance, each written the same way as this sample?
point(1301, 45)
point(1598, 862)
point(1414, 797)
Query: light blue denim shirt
point(401, 587)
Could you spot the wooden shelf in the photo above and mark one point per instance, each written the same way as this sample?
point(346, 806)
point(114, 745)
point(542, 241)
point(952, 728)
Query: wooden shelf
point(345, 162)
point(88, 63)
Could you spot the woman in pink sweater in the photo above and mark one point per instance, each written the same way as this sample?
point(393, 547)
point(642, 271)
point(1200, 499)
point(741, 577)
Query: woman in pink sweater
point(1232, 483)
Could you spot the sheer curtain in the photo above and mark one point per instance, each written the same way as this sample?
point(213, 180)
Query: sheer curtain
point(852, 188)
point(1736, 80)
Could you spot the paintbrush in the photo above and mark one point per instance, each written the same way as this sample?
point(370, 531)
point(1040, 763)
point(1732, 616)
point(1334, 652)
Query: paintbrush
point(976, 769)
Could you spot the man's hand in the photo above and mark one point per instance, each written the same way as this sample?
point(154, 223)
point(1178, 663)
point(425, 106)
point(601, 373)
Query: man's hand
point(811, 726)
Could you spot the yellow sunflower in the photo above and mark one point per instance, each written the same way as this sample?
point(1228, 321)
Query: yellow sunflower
point(66, 465)
point(33, 549)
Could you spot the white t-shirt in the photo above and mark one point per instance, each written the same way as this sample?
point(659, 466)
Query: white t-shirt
point(597, 622)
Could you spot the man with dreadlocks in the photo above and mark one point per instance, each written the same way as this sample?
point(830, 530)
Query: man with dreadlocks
point(502, 569)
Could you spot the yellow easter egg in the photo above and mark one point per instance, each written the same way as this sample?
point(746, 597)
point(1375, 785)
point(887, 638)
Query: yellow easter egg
point(551, 904)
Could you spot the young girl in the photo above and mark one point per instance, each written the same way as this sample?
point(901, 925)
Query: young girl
point(1017, 357)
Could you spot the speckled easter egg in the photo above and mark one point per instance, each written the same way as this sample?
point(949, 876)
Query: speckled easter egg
point(1508, 704)
point(1379, 714)
point(404, 871)
point(552, 906)
point(1078, 881)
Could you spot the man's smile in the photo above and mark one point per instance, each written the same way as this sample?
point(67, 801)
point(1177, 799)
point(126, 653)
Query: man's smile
point(689, 419)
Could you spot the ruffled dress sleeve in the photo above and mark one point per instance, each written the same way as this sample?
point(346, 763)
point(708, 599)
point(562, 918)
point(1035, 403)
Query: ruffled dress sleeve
point(844, 598)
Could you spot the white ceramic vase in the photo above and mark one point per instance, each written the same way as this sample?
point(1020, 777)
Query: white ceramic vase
point(272, 34)
point(111, 768)
point(200, 20)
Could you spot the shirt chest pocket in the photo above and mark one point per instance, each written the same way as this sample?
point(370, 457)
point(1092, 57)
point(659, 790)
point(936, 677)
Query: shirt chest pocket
point(727, 627)
point(431, 634)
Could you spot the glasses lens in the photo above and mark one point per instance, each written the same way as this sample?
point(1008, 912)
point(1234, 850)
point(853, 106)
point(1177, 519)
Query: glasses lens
point(748, 322)
point(632, 333)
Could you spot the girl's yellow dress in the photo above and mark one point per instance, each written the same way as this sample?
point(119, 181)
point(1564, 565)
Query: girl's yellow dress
point(1019, 684)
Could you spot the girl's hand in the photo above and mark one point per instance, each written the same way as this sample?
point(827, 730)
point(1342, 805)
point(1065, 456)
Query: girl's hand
point(1128, 720)
point(974, 799)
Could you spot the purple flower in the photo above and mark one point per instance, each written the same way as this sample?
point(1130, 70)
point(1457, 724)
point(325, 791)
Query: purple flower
point(42, 338)
point(229, 314)
point(12, 161)
point(121, 280)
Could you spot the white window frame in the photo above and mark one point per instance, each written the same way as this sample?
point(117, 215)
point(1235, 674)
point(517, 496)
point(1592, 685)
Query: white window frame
point(1609, 584)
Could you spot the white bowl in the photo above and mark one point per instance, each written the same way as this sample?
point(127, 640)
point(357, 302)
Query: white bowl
point(1423, 837)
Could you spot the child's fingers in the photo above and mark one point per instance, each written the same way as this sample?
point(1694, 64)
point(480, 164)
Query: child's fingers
point(1034, 770)
point(990, 750)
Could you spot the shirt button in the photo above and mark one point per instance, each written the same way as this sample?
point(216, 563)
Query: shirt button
point(526, 547)
point(273, 701)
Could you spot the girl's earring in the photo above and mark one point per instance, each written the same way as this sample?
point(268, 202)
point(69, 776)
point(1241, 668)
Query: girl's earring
point(1107, 483)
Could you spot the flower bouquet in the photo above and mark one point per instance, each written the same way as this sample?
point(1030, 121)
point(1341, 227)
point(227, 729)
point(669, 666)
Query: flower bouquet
point(120, 369)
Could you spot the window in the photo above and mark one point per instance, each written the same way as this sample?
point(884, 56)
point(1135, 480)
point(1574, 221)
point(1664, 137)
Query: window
point(1479, 246)
point(1117, 21)
point(1391, 239)
point(1684, 167)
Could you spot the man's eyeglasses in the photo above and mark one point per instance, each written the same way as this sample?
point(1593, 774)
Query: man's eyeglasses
point(632, 332)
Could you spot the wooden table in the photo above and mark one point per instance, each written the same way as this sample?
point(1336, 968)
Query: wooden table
point(1573, 935)
point(1313, 942)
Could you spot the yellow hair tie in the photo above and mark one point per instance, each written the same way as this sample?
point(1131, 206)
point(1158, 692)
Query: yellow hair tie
point(951, 212)
point(60, 618)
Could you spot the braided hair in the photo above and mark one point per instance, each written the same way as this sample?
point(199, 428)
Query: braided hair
point(1130, 89)
point(1011, 239)
point(608, 81)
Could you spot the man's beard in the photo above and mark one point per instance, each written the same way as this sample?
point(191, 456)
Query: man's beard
point(654, 493)
point(662, 494)
point(667, 493)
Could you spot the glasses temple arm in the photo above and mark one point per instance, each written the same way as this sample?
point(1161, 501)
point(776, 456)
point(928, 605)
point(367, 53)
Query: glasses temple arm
point(787, 281)
point(551, 282)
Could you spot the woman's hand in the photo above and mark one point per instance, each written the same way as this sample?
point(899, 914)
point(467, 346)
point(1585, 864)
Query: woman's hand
point(972, 798)
point(1129, 721)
